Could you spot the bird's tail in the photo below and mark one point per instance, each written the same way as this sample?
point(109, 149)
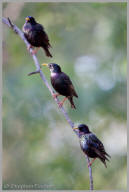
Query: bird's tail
point(107, 155)
point(47, 52)
point(104, 162)
point(105, 158)
point(72, 103)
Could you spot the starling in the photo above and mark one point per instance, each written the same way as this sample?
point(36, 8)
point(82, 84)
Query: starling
point(62, 84)
point(36, 36)
point(91, 145)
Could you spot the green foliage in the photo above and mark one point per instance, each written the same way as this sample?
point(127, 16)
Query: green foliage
point(89, 43)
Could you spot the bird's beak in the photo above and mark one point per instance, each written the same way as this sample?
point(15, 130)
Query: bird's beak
point(45, 64)
point(27, 19)
point(75, 128)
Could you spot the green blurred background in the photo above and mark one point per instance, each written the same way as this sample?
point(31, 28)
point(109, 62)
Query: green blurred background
point(89, 43)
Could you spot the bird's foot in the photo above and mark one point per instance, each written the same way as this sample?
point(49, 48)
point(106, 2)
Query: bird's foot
point(29, 47)
point(60, 104)
point(89, 164)
point(34, 52)
point(55, 95)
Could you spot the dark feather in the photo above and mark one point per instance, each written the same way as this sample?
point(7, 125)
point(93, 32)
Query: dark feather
point(94, 148)
point(71, 101)
point(63, 85)
point(37, 37)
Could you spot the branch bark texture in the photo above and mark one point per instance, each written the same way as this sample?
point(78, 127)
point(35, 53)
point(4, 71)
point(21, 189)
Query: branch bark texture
point(38, 70)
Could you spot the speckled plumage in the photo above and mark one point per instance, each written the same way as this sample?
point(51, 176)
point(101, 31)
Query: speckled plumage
point(92, 146)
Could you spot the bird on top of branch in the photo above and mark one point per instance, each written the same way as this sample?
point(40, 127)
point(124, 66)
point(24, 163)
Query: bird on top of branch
point(91, 145)
point(36, 35)
point(62, 84)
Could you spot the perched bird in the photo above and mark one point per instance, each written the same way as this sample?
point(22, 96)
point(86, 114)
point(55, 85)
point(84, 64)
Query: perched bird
point(91, 145)
point(62, 84)
point(36, 36)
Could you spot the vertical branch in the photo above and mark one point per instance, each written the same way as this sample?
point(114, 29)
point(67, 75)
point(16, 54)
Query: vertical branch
point(38, 70)
point(90, 173)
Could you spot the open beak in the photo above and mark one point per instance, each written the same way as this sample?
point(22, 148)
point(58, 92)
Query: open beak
point(75, 128)
point(45, 64)
point(27, 19)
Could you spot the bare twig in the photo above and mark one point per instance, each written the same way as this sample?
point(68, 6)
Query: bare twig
point(35, 72)
point(38, 70)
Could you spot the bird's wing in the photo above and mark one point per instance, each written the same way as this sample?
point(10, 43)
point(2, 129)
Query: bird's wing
point(39, 27)
point(68, 81)
point(40, 30)
point(97, 146)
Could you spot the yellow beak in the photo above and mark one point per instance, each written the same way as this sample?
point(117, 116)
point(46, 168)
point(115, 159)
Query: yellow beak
point(75, 128)
point(45, 64)
point(27, 19)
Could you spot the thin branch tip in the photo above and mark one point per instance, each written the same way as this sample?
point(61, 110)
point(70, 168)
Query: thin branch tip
point(11, 24)
point(33, 73)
